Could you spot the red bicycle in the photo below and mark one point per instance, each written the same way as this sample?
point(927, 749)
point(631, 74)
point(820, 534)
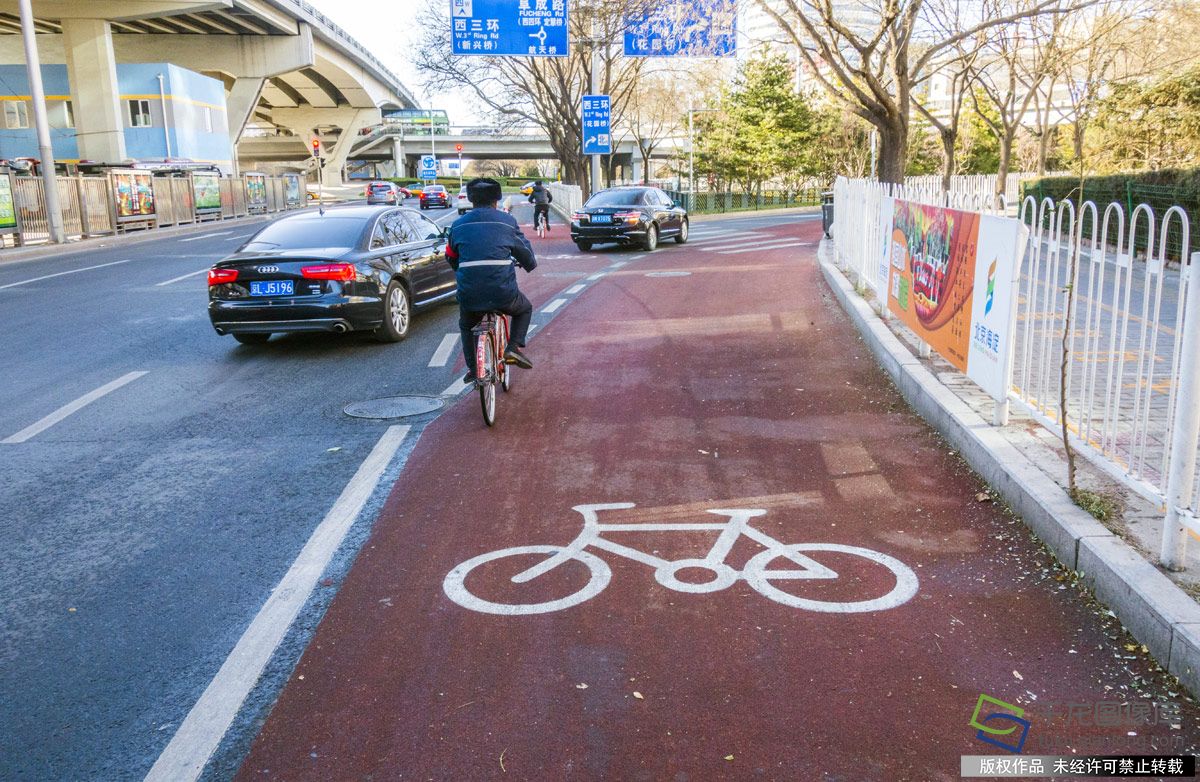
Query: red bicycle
point(491, 338)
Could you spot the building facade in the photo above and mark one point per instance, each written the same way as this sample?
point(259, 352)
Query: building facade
point(180, 115)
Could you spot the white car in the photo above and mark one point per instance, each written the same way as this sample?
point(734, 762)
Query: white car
point(462, 202)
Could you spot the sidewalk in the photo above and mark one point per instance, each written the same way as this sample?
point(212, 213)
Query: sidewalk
point(735, 382)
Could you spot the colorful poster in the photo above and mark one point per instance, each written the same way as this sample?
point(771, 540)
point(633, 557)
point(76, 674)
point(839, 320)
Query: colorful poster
point(293, 193)
point(951, 278)
point(256, 191)
point(207, 190)
point(134, 193)
point(8, 212)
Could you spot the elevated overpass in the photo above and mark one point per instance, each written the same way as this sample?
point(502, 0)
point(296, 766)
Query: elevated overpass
point(388, 142)
point(283, 64)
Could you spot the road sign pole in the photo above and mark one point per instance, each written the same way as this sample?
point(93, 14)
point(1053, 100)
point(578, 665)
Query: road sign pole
point(595, 90)
point(45, 148)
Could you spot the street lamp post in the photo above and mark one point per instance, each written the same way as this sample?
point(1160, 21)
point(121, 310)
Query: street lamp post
point(45, 149)
point(594, 91)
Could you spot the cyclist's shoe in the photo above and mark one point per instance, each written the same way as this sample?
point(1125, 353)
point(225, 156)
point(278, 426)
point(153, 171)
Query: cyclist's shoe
point(469, 378)
point(513, 355)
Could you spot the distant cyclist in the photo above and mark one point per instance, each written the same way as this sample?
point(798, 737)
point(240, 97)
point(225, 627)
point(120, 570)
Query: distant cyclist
point(541, 200)
point(484, 245)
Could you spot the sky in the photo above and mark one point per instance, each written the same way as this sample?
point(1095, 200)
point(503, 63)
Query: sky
point(389, 29)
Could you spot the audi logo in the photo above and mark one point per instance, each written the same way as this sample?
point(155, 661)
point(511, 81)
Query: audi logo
point(268, 269)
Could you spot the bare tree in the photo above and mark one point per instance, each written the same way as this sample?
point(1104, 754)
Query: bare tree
point(541, 91)
point(873, 70)
point(656, 111)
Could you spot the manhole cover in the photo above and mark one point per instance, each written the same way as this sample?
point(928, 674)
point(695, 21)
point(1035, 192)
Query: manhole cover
point(668, 274)
point(394, 407)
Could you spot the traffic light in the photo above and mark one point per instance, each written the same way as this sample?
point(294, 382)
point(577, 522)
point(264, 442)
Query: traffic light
point(458, 147)
point(316, 147)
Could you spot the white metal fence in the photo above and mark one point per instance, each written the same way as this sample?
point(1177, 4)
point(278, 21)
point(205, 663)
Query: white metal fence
point(1132, 341)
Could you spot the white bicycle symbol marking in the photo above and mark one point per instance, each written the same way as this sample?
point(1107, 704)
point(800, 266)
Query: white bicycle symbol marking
point(755, 572)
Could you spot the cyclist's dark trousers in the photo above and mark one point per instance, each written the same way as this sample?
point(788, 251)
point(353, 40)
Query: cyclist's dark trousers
point(519, 309)
point(541, 209)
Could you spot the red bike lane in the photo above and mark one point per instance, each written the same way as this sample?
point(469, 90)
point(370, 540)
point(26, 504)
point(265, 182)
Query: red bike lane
point(734, 382)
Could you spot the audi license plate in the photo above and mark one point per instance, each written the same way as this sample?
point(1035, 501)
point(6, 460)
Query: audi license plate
point(271, 288)
point(601, 218)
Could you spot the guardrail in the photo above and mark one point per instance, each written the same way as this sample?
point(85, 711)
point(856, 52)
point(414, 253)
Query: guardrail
point(131, 199)
point(1132, 336)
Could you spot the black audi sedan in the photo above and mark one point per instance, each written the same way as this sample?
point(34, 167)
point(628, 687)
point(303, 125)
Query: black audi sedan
point(629, 215)
point(355, 268)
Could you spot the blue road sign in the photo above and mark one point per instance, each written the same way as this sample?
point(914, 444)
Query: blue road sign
point(683, 28)
point(428, 167)
point(530, 28)
point(597, 122)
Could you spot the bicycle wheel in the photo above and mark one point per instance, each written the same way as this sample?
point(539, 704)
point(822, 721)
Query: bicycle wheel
point(455, 587)
point(485, 371)
point(506, 371)
point(758, 577)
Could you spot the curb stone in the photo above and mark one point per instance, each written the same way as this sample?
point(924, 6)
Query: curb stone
point(1159, 614)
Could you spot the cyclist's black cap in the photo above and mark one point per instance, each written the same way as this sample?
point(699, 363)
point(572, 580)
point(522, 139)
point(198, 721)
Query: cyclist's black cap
point(482, 191)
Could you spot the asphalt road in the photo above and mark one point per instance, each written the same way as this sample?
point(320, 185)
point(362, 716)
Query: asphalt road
point(145, 530)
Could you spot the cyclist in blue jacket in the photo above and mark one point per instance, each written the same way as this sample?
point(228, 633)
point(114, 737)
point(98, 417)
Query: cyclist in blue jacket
point(485, 243)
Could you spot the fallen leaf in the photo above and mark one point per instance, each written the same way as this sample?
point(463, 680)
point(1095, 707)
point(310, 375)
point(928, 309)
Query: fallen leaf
point(581, 686)
point(729, 757)
point(982, 496)
point(638, 695)
point(1018, 675)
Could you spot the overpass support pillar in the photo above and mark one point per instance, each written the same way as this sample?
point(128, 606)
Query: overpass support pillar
point(95, 95)
point(639, 171)
point(398, 158)
point(241, 103)
point(306, 121)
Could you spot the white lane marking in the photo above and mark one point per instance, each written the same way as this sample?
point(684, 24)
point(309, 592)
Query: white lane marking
point(181, 277)
point(237, 238)
point(596, 276)
point(726, 236)
point(739, 245)
point(575, 289)
point(442, 355)
point(554, 305)
point(765, 248)
point(455, 388)
point(617, 265)
point(202, 730)
point(60, 274)
point(531, 328)
point(69, 408)
point(206, 236)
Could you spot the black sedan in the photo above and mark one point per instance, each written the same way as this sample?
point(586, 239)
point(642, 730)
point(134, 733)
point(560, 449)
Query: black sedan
point(434, 195)
point(629, 215)
point(352, 269)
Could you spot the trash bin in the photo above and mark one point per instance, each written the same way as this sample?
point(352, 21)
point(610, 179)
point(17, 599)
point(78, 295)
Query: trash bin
point(827, 212)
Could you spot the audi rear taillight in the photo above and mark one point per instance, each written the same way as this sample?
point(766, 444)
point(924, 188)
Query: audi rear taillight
point(222, 276)
point(343, 272)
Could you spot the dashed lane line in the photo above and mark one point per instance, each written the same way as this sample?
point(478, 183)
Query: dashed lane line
point(66, 410)
point(181, 277)
point(206, 236)
point(61, 274)
point(205, 725)
point(554, 305)
point(575, 289)
point(445, 348)
point(740, 245)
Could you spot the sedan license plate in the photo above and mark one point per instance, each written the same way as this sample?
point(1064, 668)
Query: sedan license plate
point(601, 218)
point(271, 288)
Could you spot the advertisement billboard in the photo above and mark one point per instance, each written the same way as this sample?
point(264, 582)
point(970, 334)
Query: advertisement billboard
point(256, 192)
point(952, 280)
point(293, 192)
point(133, 193)
point(8, 210)
point(207, 191)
